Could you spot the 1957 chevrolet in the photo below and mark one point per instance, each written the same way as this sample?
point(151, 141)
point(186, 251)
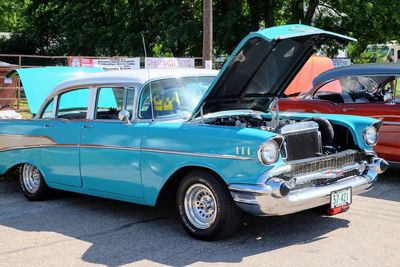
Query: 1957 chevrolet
point(133, 136)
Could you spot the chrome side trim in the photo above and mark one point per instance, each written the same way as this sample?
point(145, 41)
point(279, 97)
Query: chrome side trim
point(110, 147)
point(197, 154)
point(27, 142)
point(36, 146)
point(391, 123)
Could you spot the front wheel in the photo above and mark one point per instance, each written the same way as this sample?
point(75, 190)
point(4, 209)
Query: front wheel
point(32, 183)
point(205, 207)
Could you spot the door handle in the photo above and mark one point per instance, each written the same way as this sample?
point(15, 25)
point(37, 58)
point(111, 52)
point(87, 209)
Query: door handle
point(88, 126)
point(48, 125)
point(348, 109)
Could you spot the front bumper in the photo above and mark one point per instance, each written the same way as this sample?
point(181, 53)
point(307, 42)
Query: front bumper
point(267, 200)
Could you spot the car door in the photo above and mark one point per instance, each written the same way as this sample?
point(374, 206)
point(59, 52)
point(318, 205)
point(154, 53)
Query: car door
point(61, 160)
point(110, 148)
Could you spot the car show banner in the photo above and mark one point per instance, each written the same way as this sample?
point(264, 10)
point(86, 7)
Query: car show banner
point(168, 62)
point(120, 63)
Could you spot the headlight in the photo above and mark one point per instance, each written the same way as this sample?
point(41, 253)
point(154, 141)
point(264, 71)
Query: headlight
point(268, 152)
point(371, 135)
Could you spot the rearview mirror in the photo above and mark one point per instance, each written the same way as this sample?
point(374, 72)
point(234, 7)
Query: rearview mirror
point(124, 115)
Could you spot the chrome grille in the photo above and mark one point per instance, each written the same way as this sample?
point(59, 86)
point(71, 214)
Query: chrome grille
point(323, 163)
point(319, 182)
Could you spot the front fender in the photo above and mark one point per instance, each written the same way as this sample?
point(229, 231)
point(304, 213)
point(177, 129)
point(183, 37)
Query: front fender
point(228, 151)
point(355, 124)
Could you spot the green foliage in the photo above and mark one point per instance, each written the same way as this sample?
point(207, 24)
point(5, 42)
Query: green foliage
point(11, 19)
point(174, 27)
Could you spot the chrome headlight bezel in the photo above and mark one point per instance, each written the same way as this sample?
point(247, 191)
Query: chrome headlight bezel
point(272, 147)
point(370, 134)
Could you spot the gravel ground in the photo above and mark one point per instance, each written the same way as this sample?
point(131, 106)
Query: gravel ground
point(73, 230)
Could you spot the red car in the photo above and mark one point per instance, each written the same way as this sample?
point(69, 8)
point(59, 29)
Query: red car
point(368, 90)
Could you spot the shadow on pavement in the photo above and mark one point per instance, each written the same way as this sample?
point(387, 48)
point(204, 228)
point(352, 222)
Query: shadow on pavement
point(123, 233)
point(387, 187)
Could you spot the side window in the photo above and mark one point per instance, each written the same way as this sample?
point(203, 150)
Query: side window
point(130, 97)
point(73, 105)
point(109, 103)
point(357, 89)
point(48, 111)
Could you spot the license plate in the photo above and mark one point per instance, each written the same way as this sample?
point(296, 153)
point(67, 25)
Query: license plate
point(341, 197)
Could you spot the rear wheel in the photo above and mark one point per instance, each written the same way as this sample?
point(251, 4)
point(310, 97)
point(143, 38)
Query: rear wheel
point(205, 207)
point(32, 183)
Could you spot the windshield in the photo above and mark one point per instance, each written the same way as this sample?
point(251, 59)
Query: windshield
point(172, 98)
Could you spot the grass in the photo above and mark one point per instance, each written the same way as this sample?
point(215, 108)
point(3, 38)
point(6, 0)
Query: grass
point(24, 110)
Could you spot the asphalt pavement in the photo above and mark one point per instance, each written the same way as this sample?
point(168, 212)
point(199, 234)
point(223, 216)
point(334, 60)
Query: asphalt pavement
point(76, 230)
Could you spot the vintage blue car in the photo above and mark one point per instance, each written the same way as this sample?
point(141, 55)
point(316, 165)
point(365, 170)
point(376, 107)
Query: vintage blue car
point(219, 149)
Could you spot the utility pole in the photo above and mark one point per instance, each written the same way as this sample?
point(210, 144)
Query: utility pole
point(207, 32)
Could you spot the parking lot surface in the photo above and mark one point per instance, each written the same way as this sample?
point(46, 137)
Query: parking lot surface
point(72, 230)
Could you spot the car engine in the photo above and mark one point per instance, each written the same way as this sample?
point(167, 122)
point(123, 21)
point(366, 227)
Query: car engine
point(306, 138)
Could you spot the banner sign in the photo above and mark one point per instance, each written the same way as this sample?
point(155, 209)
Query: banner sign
point(168, 63)
point(340, 62)
point(122, 63)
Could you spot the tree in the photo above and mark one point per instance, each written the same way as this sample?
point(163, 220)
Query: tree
point(174, 27)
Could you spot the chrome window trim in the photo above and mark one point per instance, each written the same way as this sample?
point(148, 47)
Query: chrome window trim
point(127, 89)
point(313, 90)
point(94, 86)
point(138, 87)
point(39, 115)
point(81, 86)
point(88, 102)
point(91, 103)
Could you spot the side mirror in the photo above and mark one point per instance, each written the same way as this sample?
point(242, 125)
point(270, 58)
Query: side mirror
point(124, 115)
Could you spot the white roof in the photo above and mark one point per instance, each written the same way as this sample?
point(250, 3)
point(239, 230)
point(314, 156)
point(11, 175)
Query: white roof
point(138, 76)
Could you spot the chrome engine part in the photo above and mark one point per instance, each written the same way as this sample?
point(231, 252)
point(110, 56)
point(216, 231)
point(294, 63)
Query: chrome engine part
point(302, 140)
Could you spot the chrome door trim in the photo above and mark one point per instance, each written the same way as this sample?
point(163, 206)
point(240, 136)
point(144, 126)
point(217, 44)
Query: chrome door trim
point(391, 123)
point(26, 141)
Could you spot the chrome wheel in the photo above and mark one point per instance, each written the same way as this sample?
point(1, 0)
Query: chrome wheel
point(30, 178)
point(200, 206)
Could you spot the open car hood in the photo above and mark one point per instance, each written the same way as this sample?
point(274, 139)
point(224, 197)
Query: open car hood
point(262, 66)
point(38, 83)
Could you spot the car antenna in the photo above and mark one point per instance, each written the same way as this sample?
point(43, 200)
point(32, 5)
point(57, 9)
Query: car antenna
point(148, 74)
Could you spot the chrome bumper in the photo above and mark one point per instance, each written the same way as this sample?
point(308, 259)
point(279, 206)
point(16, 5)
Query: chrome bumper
point(267, 199)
